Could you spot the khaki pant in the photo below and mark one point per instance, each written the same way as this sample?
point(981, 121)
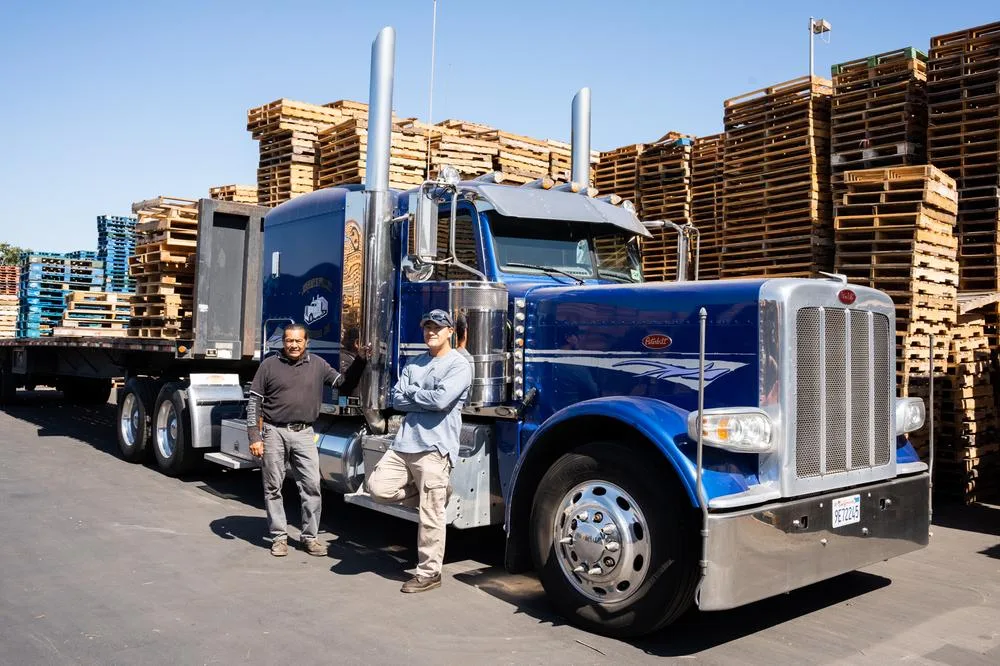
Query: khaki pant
point(417, 479)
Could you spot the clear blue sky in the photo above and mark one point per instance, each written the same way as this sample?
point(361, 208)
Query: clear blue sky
point(106, 103)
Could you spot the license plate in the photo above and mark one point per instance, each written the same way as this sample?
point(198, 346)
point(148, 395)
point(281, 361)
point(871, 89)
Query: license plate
point(846, 510)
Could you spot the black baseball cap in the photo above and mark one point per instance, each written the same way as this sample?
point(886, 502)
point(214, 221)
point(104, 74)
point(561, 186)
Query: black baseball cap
point(439, 317)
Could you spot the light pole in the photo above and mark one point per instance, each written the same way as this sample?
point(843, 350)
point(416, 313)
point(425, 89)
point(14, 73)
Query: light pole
point(816, 27)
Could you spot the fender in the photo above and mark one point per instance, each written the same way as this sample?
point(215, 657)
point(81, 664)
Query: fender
point(665, 426)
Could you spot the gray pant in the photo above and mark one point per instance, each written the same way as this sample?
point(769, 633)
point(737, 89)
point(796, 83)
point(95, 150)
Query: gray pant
point(298, 450)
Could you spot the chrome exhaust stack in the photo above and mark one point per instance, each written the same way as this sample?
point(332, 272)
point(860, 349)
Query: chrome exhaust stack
point(580, 141)
point(378, 307)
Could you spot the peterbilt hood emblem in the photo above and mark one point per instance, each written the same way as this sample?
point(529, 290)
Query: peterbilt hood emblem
point(657, 341)
point(316, 310)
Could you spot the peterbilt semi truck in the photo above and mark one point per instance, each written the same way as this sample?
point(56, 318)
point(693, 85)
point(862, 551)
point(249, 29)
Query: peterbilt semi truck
point(647, 446)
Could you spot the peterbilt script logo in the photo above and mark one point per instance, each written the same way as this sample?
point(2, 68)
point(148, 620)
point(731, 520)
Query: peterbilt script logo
point(656, 341)
point(316, 310)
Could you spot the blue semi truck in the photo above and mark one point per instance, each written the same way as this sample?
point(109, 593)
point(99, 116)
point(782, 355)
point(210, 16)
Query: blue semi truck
point(646, 445)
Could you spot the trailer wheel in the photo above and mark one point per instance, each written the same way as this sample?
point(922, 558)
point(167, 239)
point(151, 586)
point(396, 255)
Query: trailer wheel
point(86, 391)
point(134, 402)
point(613, 541)
point(172, 432)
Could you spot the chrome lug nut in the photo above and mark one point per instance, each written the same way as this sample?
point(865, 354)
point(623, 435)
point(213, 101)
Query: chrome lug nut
point(566, 540)
point(596, 571)
point(583, 516)
point(609, 528)
point(608, 562)
point(612, 546)
point(579, 570)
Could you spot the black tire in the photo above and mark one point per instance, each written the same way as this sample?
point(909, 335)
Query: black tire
point(86, 391)
point(171, 431)
point(652, 593)
point(133, 427)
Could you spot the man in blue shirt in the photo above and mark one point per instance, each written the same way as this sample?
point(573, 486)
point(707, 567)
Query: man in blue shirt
point(417, 467)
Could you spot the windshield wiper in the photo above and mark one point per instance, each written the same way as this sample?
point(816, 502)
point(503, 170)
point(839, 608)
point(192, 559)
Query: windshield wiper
point(545, 269)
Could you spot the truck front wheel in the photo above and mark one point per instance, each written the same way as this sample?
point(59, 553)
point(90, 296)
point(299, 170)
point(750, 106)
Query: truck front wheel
point(614, 540)
point(134, 402)
point(172, 431)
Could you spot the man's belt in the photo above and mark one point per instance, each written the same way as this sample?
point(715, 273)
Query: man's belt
point(294, 426)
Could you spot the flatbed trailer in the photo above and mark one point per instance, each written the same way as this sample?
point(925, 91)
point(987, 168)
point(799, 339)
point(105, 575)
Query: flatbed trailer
point(176, 391)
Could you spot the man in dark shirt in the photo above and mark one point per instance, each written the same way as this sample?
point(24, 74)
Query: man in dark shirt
point(284, 402)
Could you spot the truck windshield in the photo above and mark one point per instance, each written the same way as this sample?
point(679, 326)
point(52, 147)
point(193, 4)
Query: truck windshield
point(581, 250)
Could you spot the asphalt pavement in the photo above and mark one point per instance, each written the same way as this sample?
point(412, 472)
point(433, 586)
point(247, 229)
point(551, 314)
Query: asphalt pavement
point(105, 562)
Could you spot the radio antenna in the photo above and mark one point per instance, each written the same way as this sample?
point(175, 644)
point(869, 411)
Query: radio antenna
point(430, 92)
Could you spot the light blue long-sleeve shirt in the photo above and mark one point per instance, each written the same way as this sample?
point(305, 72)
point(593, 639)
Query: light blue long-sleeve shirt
point(432, 390)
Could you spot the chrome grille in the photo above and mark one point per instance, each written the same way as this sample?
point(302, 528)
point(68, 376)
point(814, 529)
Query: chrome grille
point(842, 391)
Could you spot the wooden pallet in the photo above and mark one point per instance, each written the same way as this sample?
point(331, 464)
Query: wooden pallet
point(343, 154)
point(879, 113)
point(163, 266)
point(776, 182)
point(235, 193)
point(963, 92)
point(9, 276)
point(706, 201)
point(664, 194)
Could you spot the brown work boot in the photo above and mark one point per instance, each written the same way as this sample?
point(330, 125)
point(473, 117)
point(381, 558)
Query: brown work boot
point(421, 584)
point(314, 547)
point(279, 547)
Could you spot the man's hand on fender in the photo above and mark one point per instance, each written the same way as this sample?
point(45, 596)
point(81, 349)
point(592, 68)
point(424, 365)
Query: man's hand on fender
point(257, 448)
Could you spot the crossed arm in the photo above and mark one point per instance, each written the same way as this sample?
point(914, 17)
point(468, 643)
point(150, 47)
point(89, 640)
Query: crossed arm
point(408, 397)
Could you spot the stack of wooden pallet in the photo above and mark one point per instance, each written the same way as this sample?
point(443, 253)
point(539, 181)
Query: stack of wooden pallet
point(966, 449)
point(617, 172)
point(706, 201)
point(664, 194)
point(963, 90)
point(895, 232)
point(455, 143)
point(343, 152)
point(879, 113)
point(163, 268)
point(777, 201)
point(8, 315)
point(521, 159)
point(287, 132)
point(8, 280)
point(236, 193)
point(96, 314)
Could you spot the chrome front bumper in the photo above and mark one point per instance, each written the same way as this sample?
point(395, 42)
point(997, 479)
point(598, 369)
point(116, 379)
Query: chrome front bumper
point(778, 547)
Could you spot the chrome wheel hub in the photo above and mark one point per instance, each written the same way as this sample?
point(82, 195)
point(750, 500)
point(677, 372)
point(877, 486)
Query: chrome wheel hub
point(166, 429)
point(601, 541)
point(130, 420)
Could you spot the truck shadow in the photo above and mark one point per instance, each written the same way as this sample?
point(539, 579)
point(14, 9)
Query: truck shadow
point(56, 418)
point(695, 631)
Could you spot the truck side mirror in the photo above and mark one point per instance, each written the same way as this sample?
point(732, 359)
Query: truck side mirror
point(425, 212)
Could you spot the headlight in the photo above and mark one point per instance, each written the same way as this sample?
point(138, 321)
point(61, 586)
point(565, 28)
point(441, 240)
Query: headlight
point(743, 430)
point(910, 415)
